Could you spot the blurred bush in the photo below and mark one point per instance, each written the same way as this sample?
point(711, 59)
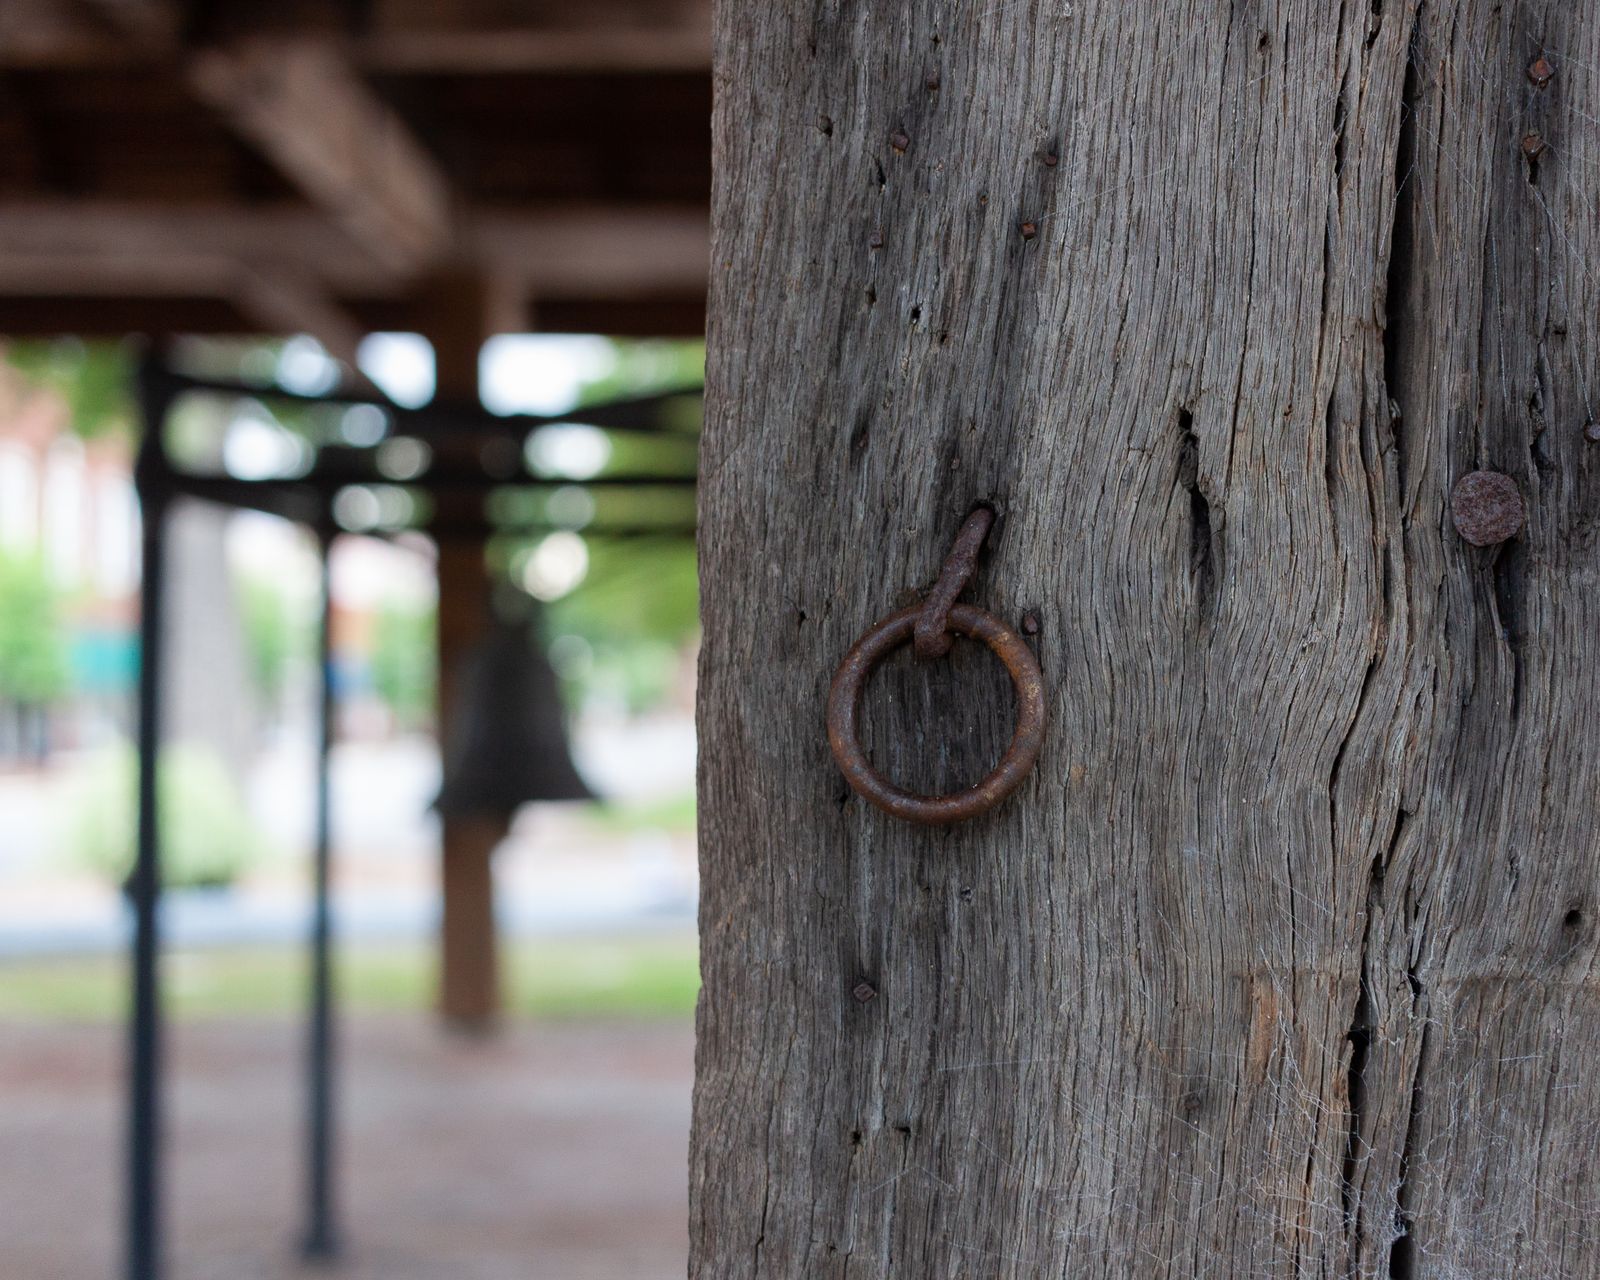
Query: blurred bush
point(402, 659)
point(207, 838)
point(33, 645)
point(273, 635)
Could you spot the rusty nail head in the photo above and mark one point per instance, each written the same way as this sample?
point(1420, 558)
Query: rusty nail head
point(933, 83)
point(875, 240)
point(1486, 507)
point(1591, 432)
point(1051, 159)
point(1030, 624)
point(1540, 72)
point(864, 991)
point(1029, 230)
point(899, 140)
point(1533, 146)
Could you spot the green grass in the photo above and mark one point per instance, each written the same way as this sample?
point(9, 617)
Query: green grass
point(674, 813)
point(606, 978)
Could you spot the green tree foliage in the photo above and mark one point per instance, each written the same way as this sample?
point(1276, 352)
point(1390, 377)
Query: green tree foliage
point(636, 609)
point(642, 367)
point(403, 661)
point(33, 645)
point(95, 379)
point(272, 637)
point(638, 605)
point(636, 590)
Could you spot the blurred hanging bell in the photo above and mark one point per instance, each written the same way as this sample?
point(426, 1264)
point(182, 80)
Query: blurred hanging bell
point(508, 744)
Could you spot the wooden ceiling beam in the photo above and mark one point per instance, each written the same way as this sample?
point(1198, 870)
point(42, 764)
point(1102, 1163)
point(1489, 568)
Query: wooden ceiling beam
point(302, 105)
point(596, 251)
point(307, 109)
point(43, 33)
point(273, 301)
point(397, 36)
point(481, 36)
point(601, 251)
point(281, 302)
point(175, 274)
point(152, 24)
point(113, 315)
point(91, 237)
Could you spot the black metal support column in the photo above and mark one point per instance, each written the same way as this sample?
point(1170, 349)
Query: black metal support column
point(321, 1236)
point(144, 1077)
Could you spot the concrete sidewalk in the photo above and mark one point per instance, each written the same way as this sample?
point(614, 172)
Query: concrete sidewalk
point(552, 1152)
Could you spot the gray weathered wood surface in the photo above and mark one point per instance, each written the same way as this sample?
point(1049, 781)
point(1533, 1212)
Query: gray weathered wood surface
point(1282, 964)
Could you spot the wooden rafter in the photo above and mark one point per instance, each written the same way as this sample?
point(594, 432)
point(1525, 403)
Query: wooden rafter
point(564, 35)
point(605, 251)
point(282, 302)
point(152, 24)
point(135, 205)
point(396, 36)
point(307, 109)
point(53, 33)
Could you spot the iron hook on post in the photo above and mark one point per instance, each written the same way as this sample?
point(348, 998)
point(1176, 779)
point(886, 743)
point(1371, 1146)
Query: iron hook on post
point(930, 625)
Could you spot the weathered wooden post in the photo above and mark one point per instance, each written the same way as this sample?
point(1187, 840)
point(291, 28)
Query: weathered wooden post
point(469, 971)
point(1281, 960)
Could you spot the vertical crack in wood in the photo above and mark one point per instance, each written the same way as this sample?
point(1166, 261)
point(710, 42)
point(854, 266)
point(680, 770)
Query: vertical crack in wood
point(1330, 446)
point(1403, 1249)
point(1402, 249)
point(1202, 551)
point(1340, 113)
point(1508, 568)
point(1360, 1039)
point(1362, 1025)
point(1397, 316)
point(1363, 1109)
point(1544, 465)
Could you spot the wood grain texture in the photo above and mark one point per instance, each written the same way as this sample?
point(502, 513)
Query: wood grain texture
point(1282, 962)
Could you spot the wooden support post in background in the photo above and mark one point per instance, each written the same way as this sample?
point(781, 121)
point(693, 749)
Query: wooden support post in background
point(469, 986)
point(469, 983)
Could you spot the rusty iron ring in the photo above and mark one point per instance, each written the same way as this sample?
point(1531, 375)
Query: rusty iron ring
point(844, 702)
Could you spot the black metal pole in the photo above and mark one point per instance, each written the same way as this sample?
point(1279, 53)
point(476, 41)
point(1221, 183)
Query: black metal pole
point(321, 1237)
point(144, 1077)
